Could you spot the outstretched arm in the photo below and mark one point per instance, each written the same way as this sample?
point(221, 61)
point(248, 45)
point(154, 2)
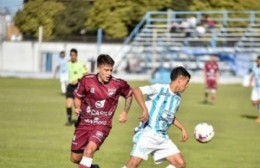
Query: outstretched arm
point(140, 100)
point(77, 104)
point(123, 116)
point(184, 133)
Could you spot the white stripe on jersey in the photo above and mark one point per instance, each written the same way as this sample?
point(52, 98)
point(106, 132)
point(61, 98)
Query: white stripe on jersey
point(256, 73)
point(162, 106)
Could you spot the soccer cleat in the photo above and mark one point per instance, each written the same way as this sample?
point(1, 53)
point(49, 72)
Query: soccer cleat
point(94, 166)
point(69, 123)
point(82, 166)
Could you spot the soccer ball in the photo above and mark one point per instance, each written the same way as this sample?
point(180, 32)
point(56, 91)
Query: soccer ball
point(204, 132)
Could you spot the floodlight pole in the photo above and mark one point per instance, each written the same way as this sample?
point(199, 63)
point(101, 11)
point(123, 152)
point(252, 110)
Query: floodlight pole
point(40, 36)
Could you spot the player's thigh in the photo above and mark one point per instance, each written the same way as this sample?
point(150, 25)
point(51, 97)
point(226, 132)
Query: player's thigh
point(177, 160)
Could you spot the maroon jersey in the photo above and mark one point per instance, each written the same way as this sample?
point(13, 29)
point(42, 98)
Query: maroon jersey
point(211, 70)
point(98, 100)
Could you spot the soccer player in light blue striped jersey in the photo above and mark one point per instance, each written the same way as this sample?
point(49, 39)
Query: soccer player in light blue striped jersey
point(255, 94)
point(158, 114)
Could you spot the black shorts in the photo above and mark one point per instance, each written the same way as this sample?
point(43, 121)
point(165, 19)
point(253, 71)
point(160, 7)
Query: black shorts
point(70, 90)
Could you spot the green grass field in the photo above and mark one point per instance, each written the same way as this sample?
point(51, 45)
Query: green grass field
point(33, 134)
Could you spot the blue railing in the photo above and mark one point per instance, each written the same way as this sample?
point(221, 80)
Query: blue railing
point(239, 30)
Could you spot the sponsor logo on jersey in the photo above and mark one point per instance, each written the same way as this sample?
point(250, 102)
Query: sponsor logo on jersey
point(97, 112)
point(111, 91)
point(100, 104)
point(92, 90)
point(90, 121)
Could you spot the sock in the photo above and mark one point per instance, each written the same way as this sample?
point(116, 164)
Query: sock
point(124, 167)
point(85, 162)
point(170, 166)
point(82, 166)
point(69, 113)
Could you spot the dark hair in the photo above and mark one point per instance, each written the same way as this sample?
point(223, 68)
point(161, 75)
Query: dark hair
point(62, 52)
point(258, 57)
point(179, 71)
point(105, 59)
point(74, 50)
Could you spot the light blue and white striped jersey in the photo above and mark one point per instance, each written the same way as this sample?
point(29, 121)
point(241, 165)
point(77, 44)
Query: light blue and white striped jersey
point(162, 105)
point(63, 66)
point(256, 73)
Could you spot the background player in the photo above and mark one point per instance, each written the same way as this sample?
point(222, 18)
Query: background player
point(96, 100)
point(151, 136)
point(62, 70)
point(211, 78)
point(255, 95)
point(76, 70)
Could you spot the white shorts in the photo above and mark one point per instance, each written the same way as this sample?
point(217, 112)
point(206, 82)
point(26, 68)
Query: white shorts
point(148, 142)
point(64, 78)
point(255, 94)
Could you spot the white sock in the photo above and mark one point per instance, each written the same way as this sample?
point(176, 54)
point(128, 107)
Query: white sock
point(124, 167)
point(170, 166)
point(86, 161)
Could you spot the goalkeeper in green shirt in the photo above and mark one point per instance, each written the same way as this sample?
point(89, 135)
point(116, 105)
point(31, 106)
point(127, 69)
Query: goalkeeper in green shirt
point(75, 70)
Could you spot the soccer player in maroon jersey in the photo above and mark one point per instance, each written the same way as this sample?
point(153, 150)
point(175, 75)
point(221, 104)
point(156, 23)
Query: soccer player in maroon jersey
point(96, 100)
point(211, 75)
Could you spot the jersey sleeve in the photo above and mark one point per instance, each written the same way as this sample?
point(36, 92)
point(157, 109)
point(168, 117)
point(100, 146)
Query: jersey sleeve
point(81, 91)
point(126, 90)
point(149, 89)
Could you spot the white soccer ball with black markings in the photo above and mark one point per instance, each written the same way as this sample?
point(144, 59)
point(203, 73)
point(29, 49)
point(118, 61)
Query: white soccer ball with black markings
point(204, 132)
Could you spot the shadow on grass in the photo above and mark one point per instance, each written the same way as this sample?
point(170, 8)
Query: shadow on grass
point(206, 103)
point(251, 117)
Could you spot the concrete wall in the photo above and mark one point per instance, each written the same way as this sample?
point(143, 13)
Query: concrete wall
point(32, 56)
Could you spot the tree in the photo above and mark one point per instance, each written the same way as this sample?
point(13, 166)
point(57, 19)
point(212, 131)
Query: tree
point(117, 17)
point(180, 5)
point(38, 13)
point(225, 4)
point(71, 21)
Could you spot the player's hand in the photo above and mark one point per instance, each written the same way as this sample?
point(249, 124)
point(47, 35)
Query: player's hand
point(144, 117)
point(77, 111)
point(184, 135)
point(122, 118)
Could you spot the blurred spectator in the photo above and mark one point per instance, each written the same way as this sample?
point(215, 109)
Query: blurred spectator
point(200, 30)
point(192, 22)
point(211, 22)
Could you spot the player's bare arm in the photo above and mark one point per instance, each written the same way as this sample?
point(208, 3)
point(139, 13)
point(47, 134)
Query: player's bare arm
point(123, 116)
point(184, 133)
point(251, 80)
point(140, 100)
point(77, 104)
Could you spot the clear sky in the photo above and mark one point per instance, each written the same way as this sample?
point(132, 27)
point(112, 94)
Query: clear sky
point(11, 5)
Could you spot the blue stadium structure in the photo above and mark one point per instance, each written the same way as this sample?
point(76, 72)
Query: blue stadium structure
point(187, 38)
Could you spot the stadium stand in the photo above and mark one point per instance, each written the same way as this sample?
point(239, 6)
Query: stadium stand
point(187, 38)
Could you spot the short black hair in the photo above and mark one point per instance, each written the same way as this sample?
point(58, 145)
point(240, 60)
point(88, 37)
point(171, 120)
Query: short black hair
point(105, 59)
point(258, 57)
point(74, 50)
point(179, 71)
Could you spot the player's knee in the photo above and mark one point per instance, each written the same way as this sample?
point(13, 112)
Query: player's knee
point(181, 163)
point(89, 152)
point(75, 159)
